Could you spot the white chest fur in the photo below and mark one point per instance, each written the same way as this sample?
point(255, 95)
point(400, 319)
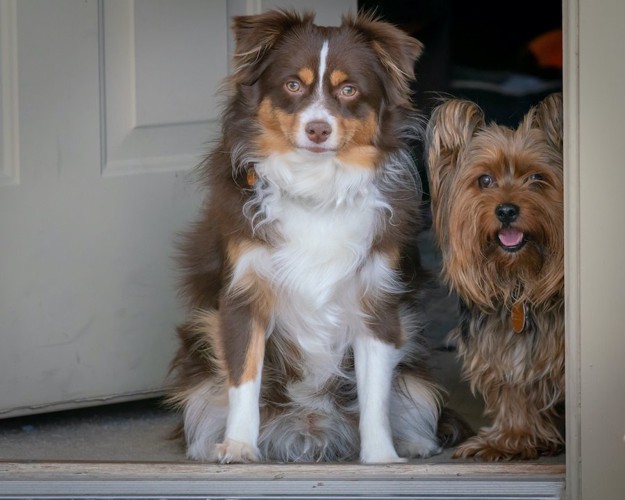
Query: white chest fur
point(324, 217)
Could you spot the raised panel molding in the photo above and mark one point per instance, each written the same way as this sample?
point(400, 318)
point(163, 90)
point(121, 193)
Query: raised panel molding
point(161, 64)
point(9, 123)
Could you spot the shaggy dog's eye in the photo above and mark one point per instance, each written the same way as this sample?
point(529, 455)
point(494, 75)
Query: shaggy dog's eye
point(348, 91)
point(535, 178)
point(485, 181)
point(293, 86)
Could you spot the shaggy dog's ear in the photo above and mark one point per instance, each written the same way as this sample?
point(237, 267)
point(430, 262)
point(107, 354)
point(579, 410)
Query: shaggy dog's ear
point(548, 116)
point(450, 128)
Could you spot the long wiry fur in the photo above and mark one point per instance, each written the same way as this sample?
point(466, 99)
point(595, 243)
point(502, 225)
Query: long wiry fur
point(519, 375)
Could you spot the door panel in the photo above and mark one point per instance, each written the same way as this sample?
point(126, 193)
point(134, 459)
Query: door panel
point(87, 291)
point(161, 65)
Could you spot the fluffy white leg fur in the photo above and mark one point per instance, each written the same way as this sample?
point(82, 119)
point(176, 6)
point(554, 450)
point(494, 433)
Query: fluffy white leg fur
point(375, 363)
point(309, 434)
point(241, 439)
point(415, 409)
point(205, 413)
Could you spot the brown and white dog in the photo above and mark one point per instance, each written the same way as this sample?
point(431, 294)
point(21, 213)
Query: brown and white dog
point(497, 203)
point(303, 341)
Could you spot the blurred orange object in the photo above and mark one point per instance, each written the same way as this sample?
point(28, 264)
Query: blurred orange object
point(547, 49)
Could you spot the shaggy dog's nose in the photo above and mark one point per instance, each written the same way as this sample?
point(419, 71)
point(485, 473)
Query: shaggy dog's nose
point(507, 212)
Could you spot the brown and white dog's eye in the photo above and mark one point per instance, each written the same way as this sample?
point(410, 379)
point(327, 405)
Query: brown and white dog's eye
point(293, 86)
point(348, 91)
point(485, 181)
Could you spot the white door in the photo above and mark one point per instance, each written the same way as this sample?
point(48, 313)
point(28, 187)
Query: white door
point(105, 107)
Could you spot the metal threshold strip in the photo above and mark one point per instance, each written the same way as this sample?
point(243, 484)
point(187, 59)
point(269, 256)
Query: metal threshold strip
point(160, 480)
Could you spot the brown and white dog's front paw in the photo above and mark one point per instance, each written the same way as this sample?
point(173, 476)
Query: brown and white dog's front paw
point(231, 451)
point(381, 457)
point(379, 449)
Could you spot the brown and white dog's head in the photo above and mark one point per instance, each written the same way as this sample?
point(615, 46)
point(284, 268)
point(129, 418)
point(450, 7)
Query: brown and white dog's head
point(330, 91)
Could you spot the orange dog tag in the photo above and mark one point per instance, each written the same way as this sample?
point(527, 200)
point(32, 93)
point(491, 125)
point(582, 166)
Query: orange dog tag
point(251, 177)
point(519, 314)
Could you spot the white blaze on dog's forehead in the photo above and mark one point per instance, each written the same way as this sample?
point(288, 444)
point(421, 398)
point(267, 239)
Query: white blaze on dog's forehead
point(317, 110)
point(323, 59)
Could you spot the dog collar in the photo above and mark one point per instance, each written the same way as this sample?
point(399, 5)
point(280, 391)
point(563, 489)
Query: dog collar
point(519, 316)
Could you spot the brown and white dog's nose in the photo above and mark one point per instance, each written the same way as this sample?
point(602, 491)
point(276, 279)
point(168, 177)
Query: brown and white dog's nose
point(318, 131)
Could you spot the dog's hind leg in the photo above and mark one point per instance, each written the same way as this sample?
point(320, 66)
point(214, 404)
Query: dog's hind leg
point(205, 412)
point(415, 410)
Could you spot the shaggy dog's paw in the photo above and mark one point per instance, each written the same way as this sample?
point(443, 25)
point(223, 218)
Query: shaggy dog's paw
point(488, 451)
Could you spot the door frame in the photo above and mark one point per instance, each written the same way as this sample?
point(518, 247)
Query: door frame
point(594, 247)
point(570, 23)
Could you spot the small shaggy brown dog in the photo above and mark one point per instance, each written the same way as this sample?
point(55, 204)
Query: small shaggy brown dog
point(497, 202)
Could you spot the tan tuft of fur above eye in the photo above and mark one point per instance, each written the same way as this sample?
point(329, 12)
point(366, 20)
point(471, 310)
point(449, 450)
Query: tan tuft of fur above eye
point(348, 91)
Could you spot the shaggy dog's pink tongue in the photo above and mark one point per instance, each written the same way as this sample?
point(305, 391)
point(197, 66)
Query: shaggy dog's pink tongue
point(510, 237)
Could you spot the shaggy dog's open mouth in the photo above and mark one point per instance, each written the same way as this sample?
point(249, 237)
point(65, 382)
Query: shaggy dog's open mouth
point(511, 239)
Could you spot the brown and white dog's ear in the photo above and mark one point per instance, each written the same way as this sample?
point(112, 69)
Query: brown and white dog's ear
point(255, 35)
point(450, 128)
point(548, 116)
point(396, 50)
